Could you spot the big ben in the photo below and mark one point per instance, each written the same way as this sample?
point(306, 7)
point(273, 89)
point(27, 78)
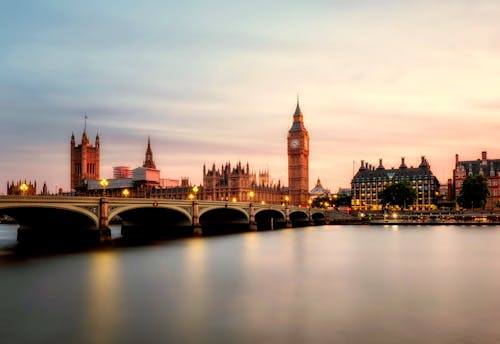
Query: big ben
point(298, 160)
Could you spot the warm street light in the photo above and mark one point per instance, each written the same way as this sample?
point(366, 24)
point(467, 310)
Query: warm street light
point(191, 196)
point(310, 201)
point(287, 199)
point(125, 193)
point(104, 182)
point(195, 191)
point(23, 188)
point(251, 194)
point(234, 199)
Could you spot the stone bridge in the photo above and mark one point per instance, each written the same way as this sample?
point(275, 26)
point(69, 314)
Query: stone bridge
point(67, 215)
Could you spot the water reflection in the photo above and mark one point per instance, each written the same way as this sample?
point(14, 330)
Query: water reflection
point(320, 284)
point(103, 294)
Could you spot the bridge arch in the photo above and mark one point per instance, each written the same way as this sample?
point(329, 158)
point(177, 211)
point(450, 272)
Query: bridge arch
point(270, 218)
point(224, 219)
point(120, 210)
point(58, 215)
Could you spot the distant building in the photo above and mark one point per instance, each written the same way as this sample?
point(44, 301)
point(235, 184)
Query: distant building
point(319, 191)
point(122, 172)
point(489, 168)
point(84, 161)
point(239, 184)
point(370, 181)
point(140, 182)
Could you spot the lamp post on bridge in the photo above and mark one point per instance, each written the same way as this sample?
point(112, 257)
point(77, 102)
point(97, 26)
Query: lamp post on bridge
point(104, 182)
point(287, 212)
point(252, 224)
point(23, 189)
point(197, 230)
point(104, 230)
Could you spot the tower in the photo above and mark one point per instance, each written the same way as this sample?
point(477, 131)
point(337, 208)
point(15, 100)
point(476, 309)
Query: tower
point(148, 161)
point(298, 160)
point(85, 160)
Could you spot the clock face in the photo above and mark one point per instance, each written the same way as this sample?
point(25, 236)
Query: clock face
point(294, 143)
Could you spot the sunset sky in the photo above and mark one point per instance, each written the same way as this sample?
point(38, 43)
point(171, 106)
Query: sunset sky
point(217, 81)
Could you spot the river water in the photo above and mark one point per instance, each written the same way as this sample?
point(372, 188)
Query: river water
point(330, 284)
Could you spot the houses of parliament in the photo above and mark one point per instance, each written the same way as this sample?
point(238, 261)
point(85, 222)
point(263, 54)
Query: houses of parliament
point(232, 183)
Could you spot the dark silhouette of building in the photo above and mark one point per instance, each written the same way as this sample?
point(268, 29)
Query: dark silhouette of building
point(25, 188)
point(298, 160)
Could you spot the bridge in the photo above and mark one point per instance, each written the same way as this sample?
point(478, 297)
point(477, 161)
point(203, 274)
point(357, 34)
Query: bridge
point(38, 216)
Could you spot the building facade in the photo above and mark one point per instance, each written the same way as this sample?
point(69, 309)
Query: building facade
point(298, 160)
point(489, 168)
point(369, 182)
point(239, 184)
point(84, 161)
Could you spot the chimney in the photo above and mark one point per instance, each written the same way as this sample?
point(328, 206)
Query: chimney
point(483, 156)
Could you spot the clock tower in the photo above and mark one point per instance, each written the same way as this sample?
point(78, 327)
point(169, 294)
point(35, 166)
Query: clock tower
point(298, 160)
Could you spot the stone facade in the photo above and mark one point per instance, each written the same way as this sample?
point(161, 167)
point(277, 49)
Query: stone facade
point(85, 161)
point(239, 184)
point(489, 168)
point(368, 183)
point(298, 160)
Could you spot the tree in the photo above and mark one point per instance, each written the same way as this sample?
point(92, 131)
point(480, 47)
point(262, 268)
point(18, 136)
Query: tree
point(474, 192)
point(400, 193)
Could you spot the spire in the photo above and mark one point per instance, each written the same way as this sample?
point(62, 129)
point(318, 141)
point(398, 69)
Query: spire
point(148, 161)
point(298, 112)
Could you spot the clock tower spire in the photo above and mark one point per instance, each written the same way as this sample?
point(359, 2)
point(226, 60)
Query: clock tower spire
point(298, 159)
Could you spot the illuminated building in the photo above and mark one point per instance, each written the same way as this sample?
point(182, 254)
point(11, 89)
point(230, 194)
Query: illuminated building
point(84, 161)
point(298, 160)
point(368, 183)
point(238, 183)
point(490, 169)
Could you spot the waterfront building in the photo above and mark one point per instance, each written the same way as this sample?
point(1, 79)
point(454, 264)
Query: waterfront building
point(368, 183)
point(298, 160)
point(238, 183)
point(489, 168)
point(84, 160)
point(25, 188)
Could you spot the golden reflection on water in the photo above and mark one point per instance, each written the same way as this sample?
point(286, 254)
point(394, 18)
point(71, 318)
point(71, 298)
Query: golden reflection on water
point(196, 286)
point(103, 295)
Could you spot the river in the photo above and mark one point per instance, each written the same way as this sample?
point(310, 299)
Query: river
point(325, 284)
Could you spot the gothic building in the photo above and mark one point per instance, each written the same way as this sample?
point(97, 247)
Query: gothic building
point(25, 188)
point(298, 160)
point(239, 184)
point(370, 181)
point(85, 160)
point(489, 168)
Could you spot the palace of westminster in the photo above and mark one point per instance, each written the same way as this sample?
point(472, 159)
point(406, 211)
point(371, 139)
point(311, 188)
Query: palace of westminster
point(238, 183)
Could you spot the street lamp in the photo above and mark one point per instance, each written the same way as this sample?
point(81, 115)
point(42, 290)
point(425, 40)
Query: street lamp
point(234, 199)
point(191, 196)
point(23, 188)
point(287, 199)
point(104, 182)
point(309, 202)
point(125, 193)
point(195, 191)
point(251, 194)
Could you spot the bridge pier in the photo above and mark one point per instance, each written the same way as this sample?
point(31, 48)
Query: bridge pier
point(104, 230)
point(288, 222)
point(197, 229)
point(252, 225)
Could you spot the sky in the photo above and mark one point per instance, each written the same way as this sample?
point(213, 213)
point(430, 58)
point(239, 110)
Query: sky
point(217, 81)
